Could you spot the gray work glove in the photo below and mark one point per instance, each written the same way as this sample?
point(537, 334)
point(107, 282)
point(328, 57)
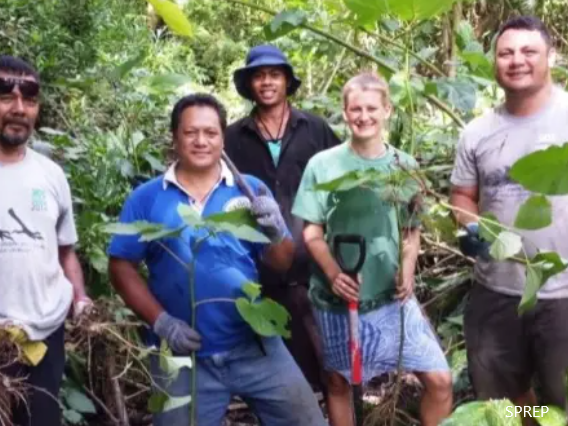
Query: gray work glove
point(181, 338)
point(266, 211)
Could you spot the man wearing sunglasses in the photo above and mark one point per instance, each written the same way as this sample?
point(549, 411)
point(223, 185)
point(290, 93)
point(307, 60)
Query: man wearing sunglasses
point(40, 276)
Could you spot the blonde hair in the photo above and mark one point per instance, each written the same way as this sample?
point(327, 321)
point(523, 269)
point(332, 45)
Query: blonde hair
point(367, 80)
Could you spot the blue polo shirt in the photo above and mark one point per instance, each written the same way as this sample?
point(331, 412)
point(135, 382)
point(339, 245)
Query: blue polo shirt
point(223, 263)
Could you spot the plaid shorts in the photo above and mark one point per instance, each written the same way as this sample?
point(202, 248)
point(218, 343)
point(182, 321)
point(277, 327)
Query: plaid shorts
point(379, 333)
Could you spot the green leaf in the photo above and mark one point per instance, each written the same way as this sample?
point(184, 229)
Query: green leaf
point(161, 402)
point(73, 417)
point(461, 94)
point(285, 22)
point(172, 364)
point(478, 63)
point(543, 171)
point(550, 262)
point(266, 317)
point(408, 10)
point(535, 213)
point(160, 234)
point(554, 417)
point(79, 402)
point(533, 283)
point(346, 182)
point(483, 413)
point(242, 232)
point(506, 245)
point(241, 216)
point(189, 215)
point(173, 16)
point(489, 227)
point(538, 270)
point(458, 363)
point(133, 228)
point(252, 290)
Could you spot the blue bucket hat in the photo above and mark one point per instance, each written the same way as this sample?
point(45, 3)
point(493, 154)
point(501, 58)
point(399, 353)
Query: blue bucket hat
point(262, 56)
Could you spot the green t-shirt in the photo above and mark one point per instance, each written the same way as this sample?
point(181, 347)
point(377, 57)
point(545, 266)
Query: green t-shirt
point(357, 211)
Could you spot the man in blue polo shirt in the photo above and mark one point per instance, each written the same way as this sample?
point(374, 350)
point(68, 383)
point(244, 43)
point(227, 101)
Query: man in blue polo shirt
point(231, 360)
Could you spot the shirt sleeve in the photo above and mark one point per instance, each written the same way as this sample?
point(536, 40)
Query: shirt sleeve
point(66, 229)
point(309, 203)
point(129, 247)
point(465, 169)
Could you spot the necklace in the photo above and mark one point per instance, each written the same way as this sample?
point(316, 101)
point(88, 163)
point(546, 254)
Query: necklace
point(265, 127)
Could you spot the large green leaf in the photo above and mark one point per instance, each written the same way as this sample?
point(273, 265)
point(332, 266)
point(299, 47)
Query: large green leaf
point(543, 171)
point(266, 317)
point(534, 280)
point(242, 232)
point(408, 10)
point(535, 213)
point(236, 217)
point(173, 16)
point(483, 413)
point(133, 228)
point(554, 417)
point(161, 234)
point(460, 93)
point(506, 245)
point(284, 22)
point(550, 262)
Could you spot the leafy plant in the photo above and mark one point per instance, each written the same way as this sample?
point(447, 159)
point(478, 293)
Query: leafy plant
point(265, 317)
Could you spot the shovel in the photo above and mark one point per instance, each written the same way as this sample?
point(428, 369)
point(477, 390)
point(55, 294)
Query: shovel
point(354, 343)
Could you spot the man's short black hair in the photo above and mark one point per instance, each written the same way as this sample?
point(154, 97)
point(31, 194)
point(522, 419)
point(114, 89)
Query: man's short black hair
point(528, 23)
point(17, 66)
point(198, 99)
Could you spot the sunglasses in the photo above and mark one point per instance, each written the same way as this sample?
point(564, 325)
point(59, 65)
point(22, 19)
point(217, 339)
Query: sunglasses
point(28, 89)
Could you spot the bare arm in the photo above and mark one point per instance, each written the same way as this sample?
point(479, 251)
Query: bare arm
point(280, 256)
point(341, 284)
point(465, 199)
point(410, 251)
point(72, 270)
point(131, 287)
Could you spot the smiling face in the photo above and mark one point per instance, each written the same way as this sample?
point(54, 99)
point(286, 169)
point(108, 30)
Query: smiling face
point(268, 86)
point(523, 61)
point(365, 112)
point(198, 139)
point(18, 109)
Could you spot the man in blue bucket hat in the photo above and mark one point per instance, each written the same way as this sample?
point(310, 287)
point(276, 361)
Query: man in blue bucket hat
point(274, 143)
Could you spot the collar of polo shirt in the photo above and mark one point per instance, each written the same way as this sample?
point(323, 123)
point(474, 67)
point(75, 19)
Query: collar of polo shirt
point(171, 178)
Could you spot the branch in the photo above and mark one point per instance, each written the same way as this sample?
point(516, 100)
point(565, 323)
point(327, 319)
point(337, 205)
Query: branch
point(381, 62)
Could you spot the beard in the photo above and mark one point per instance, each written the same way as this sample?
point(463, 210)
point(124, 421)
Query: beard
point(14, 140)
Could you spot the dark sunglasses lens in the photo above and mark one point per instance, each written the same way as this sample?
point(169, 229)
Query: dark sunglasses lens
point(29, 89)
point(6, 86)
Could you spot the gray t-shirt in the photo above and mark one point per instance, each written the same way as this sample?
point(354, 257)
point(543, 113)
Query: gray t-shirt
point(488, 148)
point(36, 217)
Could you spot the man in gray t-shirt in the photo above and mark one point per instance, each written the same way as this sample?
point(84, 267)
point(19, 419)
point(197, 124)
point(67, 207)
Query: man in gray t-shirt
point(40, 275)
point(506, 350)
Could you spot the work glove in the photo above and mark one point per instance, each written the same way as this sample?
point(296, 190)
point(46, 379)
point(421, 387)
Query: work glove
point(267, 213)
point(181, 338)
point(82, 306)
point(472, 245)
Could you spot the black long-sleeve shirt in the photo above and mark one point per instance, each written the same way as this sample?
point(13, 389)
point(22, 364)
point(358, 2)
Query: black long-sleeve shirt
point(305, 136)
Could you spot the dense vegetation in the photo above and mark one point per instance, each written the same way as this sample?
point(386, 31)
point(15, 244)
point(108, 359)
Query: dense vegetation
point(111, 71)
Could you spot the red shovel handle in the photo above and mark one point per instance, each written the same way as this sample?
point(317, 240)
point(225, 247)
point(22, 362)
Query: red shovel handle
point(354, 343)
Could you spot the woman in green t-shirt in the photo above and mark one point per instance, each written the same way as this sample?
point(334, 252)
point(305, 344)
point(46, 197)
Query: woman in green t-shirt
point(380, 293)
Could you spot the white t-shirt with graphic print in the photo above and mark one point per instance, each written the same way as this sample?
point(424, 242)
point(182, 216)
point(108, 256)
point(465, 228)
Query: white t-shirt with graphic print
point(36, 217)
